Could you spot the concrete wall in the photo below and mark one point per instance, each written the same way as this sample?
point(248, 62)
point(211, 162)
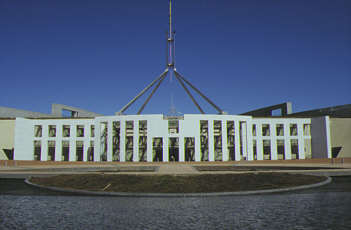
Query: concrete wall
point(7, 134)
point(320, 133)
point(57, 109)
point(340, 132)
point(13, 113)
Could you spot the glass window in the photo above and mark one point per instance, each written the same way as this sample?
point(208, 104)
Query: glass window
point(280, 129)
point(38, 130)
point(265, 130)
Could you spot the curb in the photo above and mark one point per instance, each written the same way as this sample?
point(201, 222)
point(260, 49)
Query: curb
point(127, 194)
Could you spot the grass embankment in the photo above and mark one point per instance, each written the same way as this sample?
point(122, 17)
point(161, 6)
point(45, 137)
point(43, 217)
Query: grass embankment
point(178, 184)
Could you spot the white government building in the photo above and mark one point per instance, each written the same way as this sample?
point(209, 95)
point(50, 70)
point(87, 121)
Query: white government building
point(153, 138)
point(255, 135)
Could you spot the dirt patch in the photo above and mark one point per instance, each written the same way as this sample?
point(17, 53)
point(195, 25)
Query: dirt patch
point(178, 184)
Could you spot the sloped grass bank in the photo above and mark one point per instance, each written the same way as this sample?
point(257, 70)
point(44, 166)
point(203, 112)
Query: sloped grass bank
point(205, 183)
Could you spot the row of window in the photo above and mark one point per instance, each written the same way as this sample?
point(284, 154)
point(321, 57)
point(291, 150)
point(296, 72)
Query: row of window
point(293, 130)
point(173, 127)
point(66, 131)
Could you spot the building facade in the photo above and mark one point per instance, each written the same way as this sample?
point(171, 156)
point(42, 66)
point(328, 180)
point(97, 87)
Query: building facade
point(153, 138)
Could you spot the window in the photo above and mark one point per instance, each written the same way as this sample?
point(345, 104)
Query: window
point(142, 140)
point(157, 149)
point(280, 149)
point(254, 133)
point(129, 140)
point(66, 131)
point(293, 129)
point(90, 156)
point(52, 130)
point(38, 130)
point(265, 130)
point(217, 134)
point(51, 150)
point(92, 131)
point(189, 148)
point(266, 149)
point(37, 150)
point(173, 126)
point(294, 144)
point(79, 150)
point(80, 130)
point(280, 129)
point(116, 130)
point(204, 140)
point(65, 150)
point(231, 140)
point(254, 150)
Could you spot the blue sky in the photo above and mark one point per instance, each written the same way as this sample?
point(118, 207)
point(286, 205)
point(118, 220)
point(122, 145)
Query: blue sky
point(243, 54)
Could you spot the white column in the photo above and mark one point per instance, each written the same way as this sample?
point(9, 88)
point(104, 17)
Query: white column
point(225, 154)
point(149, 147)
point(97, 141)
point(210, 141)
point(72, 149)
point(249, 141)
point(136, 141)
point(72, 143)
point(86, 145)
point(58, 143)
point(44, 149)
point(197, 146)
point(58, 149)
point(122, 148)
point(237, 140)
point(259, 144)
point(44, 142)
point(243, 141)
point(274, 154)
point(181, 148)
point(301, 141)
point(287, 147)
point(165, 148)
point(109, 141)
